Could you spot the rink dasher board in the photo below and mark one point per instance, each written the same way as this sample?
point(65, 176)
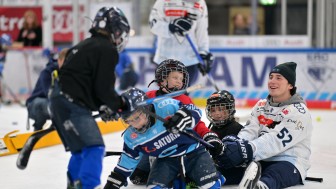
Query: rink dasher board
point(13, 141)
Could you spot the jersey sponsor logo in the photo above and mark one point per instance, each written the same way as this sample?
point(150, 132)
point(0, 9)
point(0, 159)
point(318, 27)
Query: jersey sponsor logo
point(299, 126)
point(270, 123)
point(134, 136)
point(285, 111)
point(166, 102)
point(145, 148)
point(264, 121)
point(162, 142)
point(300, 108)
point(262, 103)
point(178, 13)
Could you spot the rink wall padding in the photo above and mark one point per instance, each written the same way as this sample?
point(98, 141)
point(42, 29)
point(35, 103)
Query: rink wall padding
point(241, 71)
point(249, 103)
point(13, 141)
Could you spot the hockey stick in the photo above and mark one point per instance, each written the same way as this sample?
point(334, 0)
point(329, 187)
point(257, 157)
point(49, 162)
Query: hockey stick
point(315, 179)
point(112, 153)
point(183, 131)
point(169, 95)
point(24, 155)
point(28, 147)
point(201, 61)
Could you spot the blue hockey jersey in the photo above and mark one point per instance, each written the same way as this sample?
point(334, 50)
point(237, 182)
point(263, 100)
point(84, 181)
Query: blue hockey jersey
point(157, 141)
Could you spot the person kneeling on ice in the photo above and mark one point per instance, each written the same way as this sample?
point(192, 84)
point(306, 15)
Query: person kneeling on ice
point(278, 135)
point(175, 150)
point(172, 75)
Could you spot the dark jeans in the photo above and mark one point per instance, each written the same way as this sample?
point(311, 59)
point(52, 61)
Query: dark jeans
point(75, 124)
point(38, 111)
point(279, 174)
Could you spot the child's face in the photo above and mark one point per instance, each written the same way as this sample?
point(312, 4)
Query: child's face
point(137, 120)
point(219, 113)
point(174, 79)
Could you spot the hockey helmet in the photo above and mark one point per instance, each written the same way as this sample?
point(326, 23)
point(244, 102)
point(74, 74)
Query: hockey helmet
point(5, 39)
point(223, 100)
point(167, 66)
point(113, 21)
point(134, 96)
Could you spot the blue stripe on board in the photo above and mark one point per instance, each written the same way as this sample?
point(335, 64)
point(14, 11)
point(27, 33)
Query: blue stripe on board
point(263, 94)
point(242, 94)
point(323, 96)
point(311, 96)
point(253, 95)
point(208, 93)
point(250, 50)
point(333, 97)
point(196, 94)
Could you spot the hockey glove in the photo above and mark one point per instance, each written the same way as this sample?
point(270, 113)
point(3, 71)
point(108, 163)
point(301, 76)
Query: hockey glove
point(207, 58)
point(181, 119)
point(180, 26)
point(213, 139)
point(231, 138)
point(236, 153)
point(115, 181)
point(106, 114)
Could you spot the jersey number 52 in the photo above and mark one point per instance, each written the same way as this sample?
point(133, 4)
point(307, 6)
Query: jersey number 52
point(285, 136)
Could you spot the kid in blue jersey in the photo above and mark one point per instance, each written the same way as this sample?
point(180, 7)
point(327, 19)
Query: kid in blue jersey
point(176, 152)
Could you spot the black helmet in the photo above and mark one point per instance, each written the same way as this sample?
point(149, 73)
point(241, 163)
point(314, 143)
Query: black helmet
point(167, 66)
point(133, 97)
point(223, 100)
point(113, 21)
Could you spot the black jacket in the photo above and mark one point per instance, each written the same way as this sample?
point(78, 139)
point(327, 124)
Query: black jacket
point(42, 85)
point(87, 74)
point(231, 128)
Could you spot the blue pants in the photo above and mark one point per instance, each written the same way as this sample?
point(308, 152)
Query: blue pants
point(38, 111)
point(279, 174)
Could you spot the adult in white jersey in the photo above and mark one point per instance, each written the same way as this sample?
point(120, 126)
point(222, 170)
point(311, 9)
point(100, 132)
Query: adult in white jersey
point(277, 137)
point(170, 21)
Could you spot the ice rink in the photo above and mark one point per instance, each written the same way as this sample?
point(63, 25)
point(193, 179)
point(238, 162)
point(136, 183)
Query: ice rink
point(47, 166)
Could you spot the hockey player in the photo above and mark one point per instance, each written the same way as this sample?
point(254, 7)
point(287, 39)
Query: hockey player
point(175, 151)
point(220, 111)
point(171, 75)
point(170, 21)
point(277, 136)
point(86, 84)
point(38, 102)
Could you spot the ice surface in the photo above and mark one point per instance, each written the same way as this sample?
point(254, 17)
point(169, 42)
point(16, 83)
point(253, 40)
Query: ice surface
point(47, 166)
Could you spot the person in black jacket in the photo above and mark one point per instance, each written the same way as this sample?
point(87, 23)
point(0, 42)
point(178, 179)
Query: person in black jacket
point(37, 103)
point(86, 83)
point(220, 111)
point(31, 32)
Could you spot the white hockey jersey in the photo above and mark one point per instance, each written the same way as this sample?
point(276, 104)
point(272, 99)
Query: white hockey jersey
point(281, 132)
point(170, 46)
